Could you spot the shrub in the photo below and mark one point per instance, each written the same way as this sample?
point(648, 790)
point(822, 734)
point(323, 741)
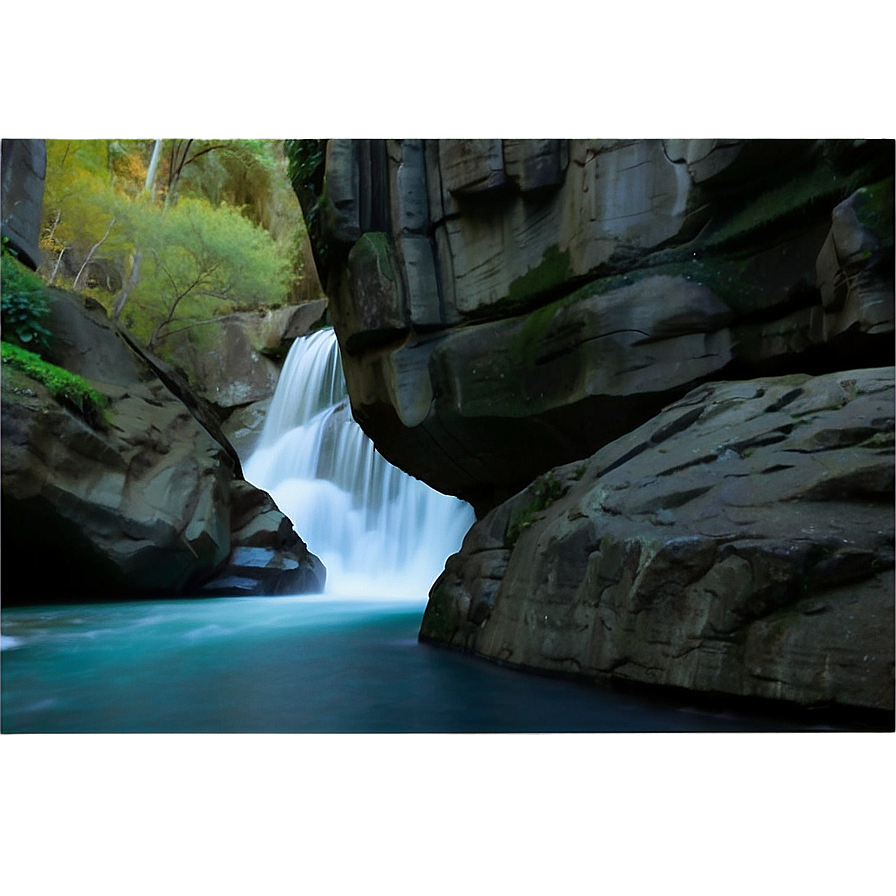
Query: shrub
point(24, 304)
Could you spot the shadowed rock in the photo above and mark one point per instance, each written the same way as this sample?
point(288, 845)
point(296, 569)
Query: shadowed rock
point(141, 500)
point(740, 542)
point(557, 293)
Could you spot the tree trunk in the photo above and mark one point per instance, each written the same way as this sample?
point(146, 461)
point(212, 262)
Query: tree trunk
point(150, 185)
point(76, 285)
point(134, 276)
point(56, 267)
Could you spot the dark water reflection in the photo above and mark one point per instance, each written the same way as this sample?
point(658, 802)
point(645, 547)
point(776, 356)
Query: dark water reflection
point(289, 664)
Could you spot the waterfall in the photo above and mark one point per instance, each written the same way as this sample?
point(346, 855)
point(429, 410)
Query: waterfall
point(378, 531)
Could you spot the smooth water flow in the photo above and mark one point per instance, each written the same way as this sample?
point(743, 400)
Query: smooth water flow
point(303, 663)
point(376, 529)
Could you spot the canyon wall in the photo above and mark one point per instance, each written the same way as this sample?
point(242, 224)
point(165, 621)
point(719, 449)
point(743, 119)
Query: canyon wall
point(661, 370)
point(507, 305)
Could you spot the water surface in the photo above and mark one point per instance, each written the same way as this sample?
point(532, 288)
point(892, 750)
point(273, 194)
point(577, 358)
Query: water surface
point(288, 664)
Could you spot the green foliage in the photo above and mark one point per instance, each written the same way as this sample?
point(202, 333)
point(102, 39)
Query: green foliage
point(24, 304)
point(544, 492)
point(200, 262)
point(305, 159)
point(66, 387)
point(109, 225)
point(305, 167)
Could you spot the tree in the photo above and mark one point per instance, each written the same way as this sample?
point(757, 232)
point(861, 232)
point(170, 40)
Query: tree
point(200, 262)
point(164, 232)
point(90, 185)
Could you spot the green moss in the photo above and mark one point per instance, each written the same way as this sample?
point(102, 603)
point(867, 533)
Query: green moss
point(874, 209)
point(66, 387)
point(374, 251)
point(819, 188)
point(544, 492)
point(440, 619)
point(552, 271)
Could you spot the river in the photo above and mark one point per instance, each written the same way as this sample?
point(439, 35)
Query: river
point(290, 664)
point(347, 660)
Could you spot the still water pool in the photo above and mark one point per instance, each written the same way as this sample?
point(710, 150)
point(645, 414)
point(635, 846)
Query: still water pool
point(288, 664)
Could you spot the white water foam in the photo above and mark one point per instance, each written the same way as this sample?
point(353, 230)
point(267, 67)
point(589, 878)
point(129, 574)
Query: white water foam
point(377, 530)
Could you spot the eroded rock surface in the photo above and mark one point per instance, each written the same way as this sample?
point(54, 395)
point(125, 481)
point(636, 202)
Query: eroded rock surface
point(740, 542)
point(232, 362)
point(145, 501)
point(507, 305)
point(24, 167)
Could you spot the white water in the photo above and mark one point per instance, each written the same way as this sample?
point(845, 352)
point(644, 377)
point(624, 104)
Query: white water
point(378, 531)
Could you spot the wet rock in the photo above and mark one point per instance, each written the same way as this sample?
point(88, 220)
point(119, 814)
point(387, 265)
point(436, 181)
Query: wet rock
point(267, 556)
point(741, 542)
point(134, 502)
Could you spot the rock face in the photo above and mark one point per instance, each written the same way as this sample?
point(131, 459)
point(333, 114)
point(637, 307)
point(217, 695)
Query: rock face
point(23, 164)
point(740, 542)
point(267, 557)
point(147, 502)
point(233, 363)
point(554, 294)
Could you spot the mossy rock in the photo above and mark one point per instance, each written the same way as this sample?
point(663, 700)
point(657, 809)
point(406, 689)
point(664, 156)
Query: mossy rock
point(874, 209)
point(67, 388)
point(441, 619)
point(545, 491)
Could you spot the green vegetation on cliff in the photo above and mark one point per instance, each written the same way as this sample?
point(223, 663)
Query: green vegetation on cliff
point(874, 207)
point(24, 305)
point(305, 166)
point(66, 387)
point(167, 233)
point(545, 491)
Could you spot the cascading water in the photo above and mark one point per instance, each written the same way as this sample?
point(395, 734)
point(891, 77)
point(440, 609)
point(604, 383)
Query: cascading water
point(379, 532)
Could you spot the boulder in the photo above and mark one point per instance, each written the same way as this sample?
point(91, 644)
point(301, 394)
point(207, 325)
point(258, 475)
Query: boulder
point(267, 556)
point(135, 501)
point(233, 361)
point(741, 542)
point(243, 427)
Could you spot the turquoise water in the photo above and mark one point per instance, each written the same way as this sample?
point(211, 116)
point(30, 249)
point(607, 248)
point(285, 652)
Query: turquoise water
point(288, 664)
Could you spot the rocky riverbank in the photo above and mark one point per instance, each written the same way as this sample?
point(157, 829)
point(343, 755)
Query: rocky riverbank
point(661, 370)
point(144, 498)
point(740, 543)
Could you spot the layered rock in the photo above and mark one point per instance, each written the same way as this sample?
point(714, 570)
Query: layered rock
point(741, 542)
point(267, 557)
point(23, 166)
point(140, 502)
point(489, 294)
